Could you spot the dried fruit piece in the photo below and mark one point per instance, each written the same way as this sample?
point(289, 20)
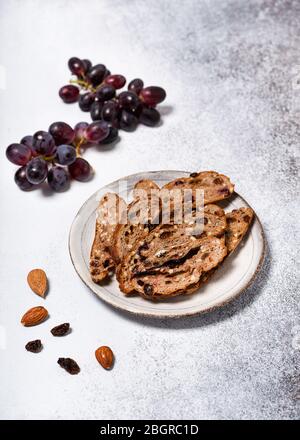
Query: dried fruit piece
point(105, 357)
point(34, 346)
point(37, 281)
point(61, 330)
point(69, 365)
point(34, 316)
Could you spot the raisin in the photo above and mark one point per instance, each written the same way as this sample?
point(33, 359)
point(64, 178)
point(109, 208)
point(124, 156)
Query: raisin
point(165, 234)
point(61, 330)
point(246, 218)
point(193, 174)
point(143, 247)
point(69, 365)
point(231, 220)
point(34, 346)
point(140, 282)
point(106, 263)
point(224, 191)
point(178, 182)
point(95, 263)
point(205, 221)
point(148, 289)
point(95, 272)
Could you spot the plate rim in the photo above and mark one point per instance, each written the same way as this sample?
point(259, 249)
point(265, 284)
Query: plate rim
point(159, 315)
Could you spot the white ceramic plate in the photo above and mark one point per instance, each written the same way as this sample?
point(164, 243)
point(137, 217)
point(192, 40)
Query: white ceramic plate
point(234, 275)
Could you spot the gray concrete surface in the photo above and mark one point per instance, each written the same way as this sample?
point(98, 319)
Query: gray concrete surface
point(230, 69)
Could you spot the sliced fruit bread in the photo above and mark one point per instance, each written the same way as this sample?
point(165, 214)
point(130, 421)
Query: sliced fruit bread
point(110, 209)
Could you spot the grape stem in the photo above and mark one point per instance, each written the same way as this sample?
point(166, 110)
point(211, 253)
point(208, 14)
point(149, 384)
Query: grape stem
point(83, 84)
point(78, 146)
point(49, 158)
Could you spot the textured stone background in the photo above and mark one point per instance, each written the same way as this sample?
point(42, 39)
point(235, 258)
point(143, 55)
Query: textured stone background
point(231, 70)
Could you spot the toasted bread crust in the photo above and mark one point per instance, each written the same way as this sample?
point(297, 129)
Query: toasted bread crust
point(146, 185)
point(216, 186)
point(238, 222)
point(101, 261)
point(235, 232)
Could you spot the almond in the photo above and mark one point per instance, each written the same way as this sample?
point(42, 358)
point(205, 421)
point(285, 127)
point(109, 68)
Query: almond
point(34, 316)
point(105, 357)
point(37, 281)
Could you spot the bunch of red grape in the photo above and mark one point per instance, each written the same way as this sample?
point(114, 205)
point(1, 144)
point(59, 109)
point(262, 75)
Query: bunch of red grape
point(55, 154)
point(95, 89)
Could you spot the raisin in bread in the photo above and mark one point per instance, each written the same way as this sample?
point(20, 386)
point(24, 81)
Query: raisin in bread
point(110, 210)
point(215, 186)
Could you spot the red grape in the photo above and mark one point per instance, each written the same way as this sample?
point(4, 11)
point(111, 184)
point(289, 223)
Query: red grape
point(80, 130)
point(110, 111)
point(69, 93)
point(152, 95)
point(28, 141)
point(62, 133)
point(65, 154)
point(85, 101)
point(97, 131)
point(117, 81)
point(36, 171)
point(18, 154)
point(96, 74)
point(149, 116)
point(76, 66)
point(58, 179)
point(113, 135)
point(128, 100)
point(87, 65)
point(43, 143)
point(21, 179)
point(105, 93)
point(80, 170)
point(96, 110)
point(128, 121)
point(136, 85)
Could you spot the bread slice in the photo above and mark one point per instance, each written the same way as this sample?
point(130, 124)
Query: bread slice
point(238, 222)
point(168, 246)
point(146, 185)
point(142, 216)
point(167, 281)
point(110, 209)
point(215, 186)
point(178, 276)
